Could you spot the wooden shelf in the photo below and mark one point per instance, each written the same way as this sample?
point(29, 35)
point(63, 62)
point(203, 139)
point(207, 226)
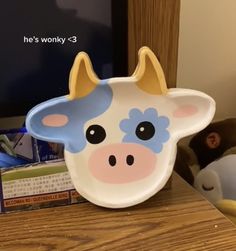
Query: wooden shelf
point(176, 219)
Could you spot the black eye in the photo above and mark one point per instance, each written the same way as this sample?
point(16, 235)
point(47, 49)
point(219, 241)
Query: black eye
point(207, 188)
point(145, 130)
point(95, 134)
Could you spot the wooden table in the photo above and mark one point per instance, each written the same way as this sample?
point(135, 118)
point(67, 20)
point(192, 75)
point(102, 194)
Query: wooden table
point(177, 219)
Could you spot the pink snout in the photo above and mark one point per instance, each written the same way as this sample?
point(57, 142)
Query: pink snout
point(122, 163)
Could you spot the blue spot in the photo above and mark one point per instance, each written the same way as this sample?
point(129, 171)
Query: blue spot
point(103, 82)
point(160, 124)
point(78, 111)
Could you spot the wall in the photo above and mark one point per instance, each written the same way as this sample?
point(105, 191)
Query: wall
point(207, 51)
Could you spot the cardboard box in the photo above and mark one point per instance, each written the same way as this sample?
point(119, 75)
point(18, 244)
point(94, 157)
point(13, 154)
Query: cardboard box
point(33, 173)
point(17, 148)
point(37, 186)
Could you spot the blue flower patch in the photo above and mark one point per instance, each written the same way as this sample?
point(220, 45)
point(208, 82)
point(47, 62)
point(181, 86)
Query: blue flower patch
point(146, 128)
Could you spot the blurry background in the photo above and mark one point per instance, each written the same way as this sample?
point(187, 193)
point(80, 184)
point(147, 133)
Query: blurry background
point(207, 51)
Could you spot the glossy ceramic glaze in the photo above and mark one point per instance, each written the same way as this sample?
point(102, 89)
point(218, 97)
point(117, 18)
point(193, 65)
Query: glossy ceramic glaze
point(120, 134)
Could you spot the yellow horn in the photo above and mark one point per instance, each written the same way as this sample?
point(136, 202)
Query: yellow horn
point(149, 74)
point(83, 79)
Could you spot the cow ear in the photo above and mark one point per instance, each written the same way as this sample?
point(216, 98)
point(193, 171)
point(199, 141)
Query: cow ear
point(83, 79)
point(191, 111)
point(149, 74)
point(47, 121)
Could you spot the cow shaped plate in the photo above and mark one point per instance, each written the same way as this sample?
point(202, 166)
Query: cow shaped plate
point(120, 134)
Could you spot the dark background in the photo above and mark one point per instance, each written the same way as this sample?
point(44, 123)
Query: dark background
point(33, 72)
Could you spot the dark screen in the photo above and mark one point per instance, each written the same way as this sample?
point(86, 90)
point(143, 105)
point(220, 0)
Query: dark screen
point(35, 61)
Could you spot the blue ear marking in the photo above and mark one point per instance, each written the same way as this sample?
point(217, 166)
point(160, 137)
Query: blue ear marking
point(78, 112)
point(35, 116)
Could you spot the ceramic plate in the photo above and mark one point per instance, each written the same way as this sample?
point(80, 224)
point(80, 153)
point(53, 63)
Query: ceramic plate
point(120, 134)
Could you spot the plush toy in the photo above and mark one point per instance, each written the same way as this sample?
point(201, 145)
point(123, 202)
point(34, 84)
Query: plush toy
point(214, 151)
point(217, 183)
point(186, 164)
point(212, 142)
point(120, 134)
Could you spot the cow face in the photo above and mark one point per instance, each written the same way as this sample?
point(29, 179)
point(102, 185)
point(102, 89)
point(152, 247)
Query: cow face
point(120, 134)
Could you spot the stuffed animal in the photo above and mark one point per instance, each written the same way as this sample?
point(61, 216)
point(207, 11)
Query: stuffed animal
point(217, 183)
point(186, 164)
point(214, 151)
point(212, 142)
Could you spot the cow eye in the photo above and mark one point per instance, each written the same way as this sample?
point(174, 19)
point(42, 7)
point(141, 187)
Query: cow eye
point(95, 134)
point(207, 188)
point(145, 130)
